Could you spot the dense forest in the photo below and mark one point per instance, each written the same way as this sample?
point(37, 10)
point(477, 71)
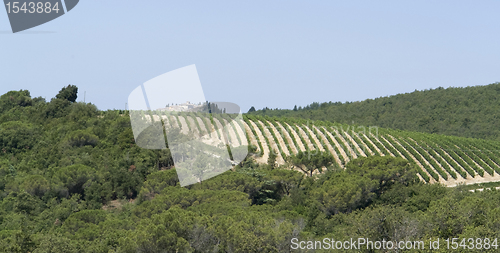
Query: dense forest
point(466, 112)
point(72, 179)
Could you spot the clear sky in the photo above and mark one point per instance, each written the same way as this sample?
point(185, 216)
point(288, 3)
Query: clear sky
point(274, 53)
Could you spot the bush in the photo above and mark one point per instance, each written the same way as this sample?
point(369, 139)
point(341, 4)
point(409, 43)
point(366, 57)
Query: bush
point(80, 138)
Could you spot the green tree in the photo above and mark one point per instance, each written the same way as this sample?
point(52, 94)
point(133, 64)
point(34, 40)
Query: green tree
point(309, 163)
point(69, 93)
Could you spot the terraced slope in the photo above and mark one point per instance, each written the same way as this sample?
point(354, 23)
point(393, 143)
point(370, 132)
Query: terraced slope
point(448, 160)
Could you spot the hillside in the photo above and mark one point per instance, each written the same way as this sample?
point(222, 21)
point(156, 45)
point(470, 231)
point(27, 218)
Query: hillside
point(466, 112)
point(448, 160)
point(73, 179)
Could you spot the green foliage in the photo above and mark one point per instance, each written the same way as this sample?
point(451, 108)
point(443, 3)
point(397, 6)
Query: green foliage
point(75, 178)
point(311, 162)
point(72, 179)
point(363, 180)
point(16, 136)
point(14, 99)
point(467, 112)
point(69, 93)
point(80, 138)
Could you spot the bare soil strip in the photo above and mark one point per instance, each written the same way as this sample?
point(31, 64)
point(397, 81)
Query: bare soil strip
point(194, 128)
point(451, 181)
point(431, 179)
point(185, 127)
point(220, 129)
point(288, 138)
point(210, 139)
point(380, 153)
point(297, 138)
point(360, 151)
point(202, 126)
point(339, 147)
point(329, 146)
point(463, 151)
point(486, 179)
point(306, 139)
point(363, 143)
point(475, 173)
point(166, 122)
point(399, 153)
point(262, 140)
point(459, 179)
point(486, 157)
point(441, 179)
point(280, 139)
point(252, 140)
point(233, 140)
point(273, 144)
point(420, 177)
point(241, 133)
point(353, 154)
point(386, 149)
point(469, 177)
point(173, 119)
point(315, 139)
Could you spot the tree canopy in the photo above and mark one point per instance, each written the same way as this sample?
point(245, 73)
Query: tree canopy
point(467, 112)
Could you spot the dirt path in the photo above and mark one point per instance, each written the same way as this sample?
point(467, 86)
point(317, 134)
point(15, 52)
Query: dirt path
point(486, 179)
point(329, 146)
point(356, 146)
point(288, 138)
point(339, 147)
point(297, 138)
point(431, 179)
point(315, 139)
point(306, 139)
point(273, 144)
point(262, 140)
point(233, 140)
point(280, 139)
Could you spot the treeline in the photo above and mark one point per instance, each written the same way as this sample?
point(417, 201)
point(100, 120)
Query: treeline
point(72, 179)
point(467, 112)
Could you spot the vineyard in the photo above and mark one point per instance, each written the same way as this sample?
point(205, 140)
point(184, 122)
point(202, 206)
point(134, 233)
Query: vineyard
point(448, 160)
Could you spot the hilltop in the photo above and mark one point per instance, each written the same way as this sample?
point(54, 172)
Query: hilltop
point(466, 112)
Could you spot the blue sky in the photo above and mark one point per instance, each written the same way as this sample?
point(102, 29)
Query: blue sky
point(257, 53)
